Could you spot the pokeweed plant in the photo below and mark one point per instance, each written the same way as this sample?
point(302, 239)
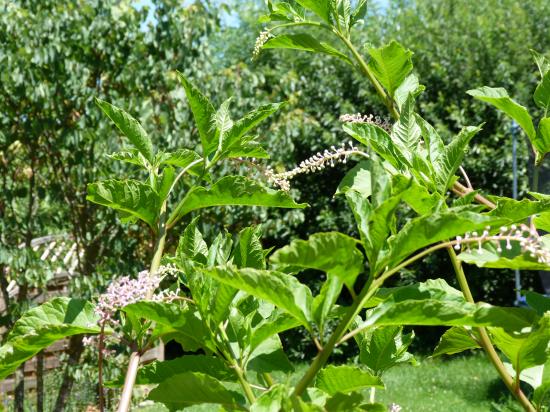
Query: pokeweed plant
point(232, 298)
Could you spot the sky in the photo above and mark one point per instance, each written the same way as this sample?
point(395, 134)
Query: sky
point(230, 20)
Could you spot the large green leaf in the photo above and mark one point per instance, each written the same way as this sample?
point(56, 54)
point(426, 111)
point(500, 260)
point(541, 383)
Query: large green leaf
point(131, 128)
point(268, 357)
point(194, 388)
point(384, 347)
point(132, 156)
point(455, 340)
point(499, 98)
point(41, 326)
point(320, 7)
point(429, 229)
point(276, 323)
point(232, 190)
point(325, 300)
point(436, 303)
point(346, 379)
point(542, 62)
point(304, 42)
point(131, 197)
point(330, 252)
point(538, 302)
point(391, 64)
point(159, 371)
point(453, 155)
point(283, 290)
point(406, 130)
point(203, 112)
point(276, 399)
point(542, 93)
point(525, 349)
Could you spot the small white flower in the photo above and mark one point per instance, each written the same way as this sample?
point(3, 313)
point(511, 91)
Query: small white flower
point(262, 39)
point(395, 408)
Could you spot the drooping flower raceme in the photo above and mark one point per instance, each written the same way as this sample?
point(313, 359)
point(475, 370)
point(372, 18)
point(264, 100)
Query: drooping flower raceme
point(262, 39)
point(527, 237)
point(315, 163)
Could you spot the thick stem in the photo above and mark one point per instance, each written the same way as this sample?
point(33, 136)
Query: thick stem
point(485, 340)
point(131, 373)
point(135, 357)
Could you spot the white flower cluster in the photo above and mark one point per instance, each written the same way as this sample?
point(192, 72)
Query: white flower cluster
point(262, 39)
point(395, 408)
point(315, 163)
point(123, 292)
point(366, 118)
point(527, 237)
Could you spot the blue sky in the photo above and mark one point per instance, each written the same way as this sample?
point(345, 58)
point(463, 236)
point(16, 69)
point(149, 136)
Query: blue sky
point(231, 19)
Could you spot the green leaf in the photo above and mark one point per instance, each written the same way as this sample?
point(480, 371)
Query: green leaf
point(40, 327)
point(181, 158)
point(192, 245)
point(541, 396)
point(516, 211)
point(194, 388)
point(350, 402)
point(409, 86)
point(373, 136)
point(175, 318)
point(325, 300)
point(269, 357)
point(331, 252)
point(131, 197)
point(249, 251)
point(203, 112)
point(538, 302)
point(543, 138)
point(430, 229)
point(453, 155)
point(304, 42)
point(232, 190)
point(346, 379)
point(384, 347)
point(455, 340)
point(406, 131)
point(359, 13)
point(542, 93)
point(131, 128)
point(159, 371)
point(132, 156)
point(525, 350)
point(499, 98)
point(391, 64)
point(283, 290)
point(234, 136)
point(276, 399)
point(436, 303)
point(276, 323)
point(415, 194)
point(320, 7)
point(542, 62)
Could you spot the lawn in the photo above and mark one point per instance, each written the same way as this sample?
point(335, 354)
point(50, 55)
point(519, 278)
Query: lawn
point(459, 384)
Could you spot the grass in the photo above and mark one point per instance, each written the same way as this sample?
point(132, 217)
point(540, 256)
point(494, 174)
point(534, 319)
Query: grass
point(459, 384)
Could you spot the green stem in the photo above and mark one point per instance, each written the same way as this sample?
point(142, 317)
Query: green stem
point(232, 359)
point(536, 173)
point(485, 340)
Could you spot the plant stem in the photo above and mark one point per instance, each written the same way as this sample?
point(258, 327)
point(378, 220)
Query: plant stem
point(135, 357)
point(366, 293)
point(230, 356)
point(485, 340)
point(100, 368)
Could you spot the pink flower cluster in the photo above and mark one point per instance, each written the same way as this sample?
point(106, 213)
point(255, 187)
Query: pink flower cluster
point(123, 292)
